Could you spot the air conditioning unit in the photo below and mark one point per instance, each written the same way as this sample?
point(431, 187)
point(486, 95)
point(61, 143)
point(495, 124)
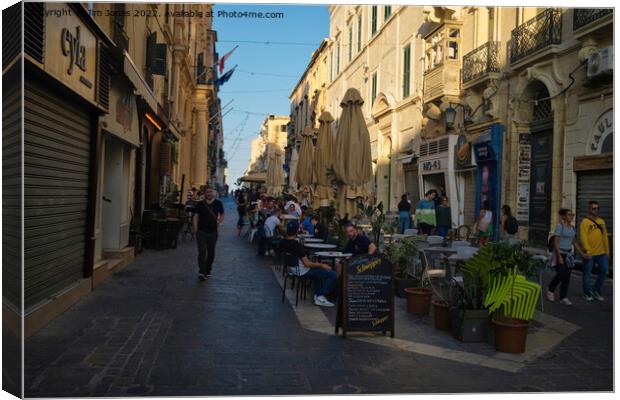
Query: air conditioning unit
point(601, 63)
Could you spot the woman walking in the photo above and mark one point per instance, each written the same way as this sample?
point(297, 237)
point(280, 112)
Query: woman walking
point(508, 225)
point(564, 242)
point(404, 213)
point(485, 223)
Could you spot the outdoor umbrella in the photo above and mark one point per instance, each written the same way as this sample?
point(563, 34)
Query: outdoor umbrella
point(352, 159)
point(323, 153)
point(304, 173)
point(275, 176)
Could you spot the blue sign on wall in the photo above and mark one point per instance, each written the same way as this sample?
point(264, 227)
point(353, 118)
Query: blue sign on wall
point(488, 153)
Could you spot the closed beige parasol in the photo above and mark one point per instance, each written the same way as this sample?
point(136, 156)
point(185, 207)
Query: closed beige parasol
point(323, 160)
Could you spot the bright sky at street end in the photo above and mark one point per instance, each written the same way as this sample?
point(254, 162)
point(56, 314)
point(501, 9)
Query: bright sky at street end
point(266, 73)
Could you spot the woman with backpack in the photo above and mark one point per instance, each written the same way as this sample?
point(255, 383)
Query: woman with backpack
point(508, 225)
point(562, 245)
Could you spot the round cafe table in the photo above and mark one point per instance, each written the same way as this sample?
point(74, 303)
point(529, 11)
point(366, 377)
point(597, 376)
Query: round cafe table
point(312, 240)
point(305, 235)
point(288, 217)
point(320, 246)
point(334, 255)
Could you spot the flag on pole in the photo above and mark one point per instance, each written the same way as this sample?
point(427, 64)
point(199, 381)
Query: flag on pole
point(222, 60)
point(224, 78)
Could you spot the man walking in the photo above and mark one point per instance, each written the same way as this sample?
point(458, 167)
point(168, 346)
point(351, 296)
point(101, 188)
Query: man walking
point(594, 240)
point(209, 213)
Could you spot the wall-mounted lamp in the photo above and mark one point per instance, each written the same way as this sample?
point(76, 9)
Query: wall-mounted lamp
point(450, 114)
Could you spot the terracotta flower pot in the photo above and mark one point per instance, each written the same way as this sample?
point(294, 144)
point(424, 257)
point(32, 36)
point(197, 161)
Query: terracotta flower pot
point(419, 300)
point(442, 315)
point(510, 335)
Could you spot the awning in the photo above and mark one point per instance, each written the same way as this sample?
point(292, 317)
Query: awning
point(142, 89)
point(260, 177)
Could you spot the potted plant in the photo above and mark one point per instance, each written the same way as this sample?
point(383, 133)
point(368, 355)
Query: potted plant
point(419, 297)
point(375, 215)
point(469, 319)
point(511, 298)
point(401, 254)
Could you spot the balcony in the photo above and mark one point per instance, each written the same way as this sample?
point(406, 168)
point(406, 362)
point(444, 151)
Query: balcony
point(205, 75)
point(538, 33)
point(120, 37)
point(442, 62)
point(480, 62)
point(588, 20)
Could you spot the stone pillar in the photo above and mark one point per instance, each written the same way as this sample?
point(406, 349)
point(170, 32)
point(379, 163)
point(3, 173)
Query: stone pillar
point(202, 135)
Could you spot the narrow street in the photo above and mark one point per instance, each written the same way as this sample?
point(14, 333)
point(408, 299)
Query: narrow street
point(154, 329)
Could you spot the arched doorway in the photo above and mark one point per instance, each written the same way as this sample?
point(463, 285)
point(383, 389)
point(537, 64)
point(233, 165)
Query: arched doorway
point(541, 140)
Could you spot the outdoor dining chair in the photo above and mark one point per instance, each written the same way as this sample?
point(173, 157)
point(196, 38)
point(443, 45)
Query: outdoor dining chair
point(290, 265)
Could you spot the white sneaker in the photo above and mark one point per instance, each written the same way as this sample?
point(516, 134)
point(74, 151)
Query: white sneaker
point(597, 295)
point(587, 297)
point(566, 301)
point(550, 296)
point(323, 302)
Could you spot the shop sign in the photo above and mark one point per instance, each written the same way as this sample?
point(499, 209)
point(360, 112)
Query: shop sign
point(462, 153)
point(602, 129)
point(122, 120)
point(71, 52)
point(523, 178)
point(431, 165)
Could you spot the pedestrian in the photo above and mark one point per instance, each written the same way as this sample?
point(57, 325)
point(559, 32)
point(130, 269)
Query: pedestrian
point(425, 213)
point(593, 235)
point(444, 217)
point(242, 207)
point(300, 264)
point(208, 214)
point(564, 243)
point(485, 223)
point(508, 225)
point(404, 213)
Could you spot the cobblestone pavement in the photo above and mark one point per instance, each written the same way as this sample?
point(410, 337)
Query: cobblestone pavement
point(153, 329)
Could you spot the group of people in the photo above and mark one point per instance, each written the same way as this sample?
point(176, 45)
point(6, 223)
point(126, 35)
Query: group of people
point(264, 213)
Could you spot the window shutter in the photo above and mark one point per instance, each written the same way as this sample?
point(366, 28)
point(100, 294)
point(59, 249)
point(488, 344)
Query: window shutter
point(150, 50)
point(159, 62)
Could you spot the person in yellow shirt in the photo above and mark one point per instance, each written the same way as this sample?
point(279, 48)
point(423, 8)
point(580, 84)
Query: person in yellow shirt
point(594, 240)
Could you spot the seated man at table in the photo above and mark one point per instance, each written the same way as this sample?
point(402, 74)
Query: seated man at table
point(358, 243)
point(320, 231)
point(321, 271)
point(306, 223)
point(271, 227)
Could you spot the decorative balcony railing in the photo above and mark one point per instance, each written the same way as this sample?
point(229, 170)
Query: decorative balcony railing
point(585, 16)
point(538, 33)
point(204, 75)
point(481, 61)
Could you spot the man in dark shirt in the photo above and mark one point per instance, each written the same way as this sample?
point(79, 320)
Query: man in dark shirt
point(299, 263)
point(358, 244)
point(209, 213)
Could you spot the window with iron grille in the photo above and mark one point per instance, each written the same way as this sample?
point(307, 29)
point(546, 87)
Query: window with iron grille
point(542, 105)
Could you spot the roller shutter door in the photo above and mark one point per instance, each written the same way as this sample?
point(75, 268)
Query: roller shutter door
point(56, 170)
point(597, 185)
point(11, 191)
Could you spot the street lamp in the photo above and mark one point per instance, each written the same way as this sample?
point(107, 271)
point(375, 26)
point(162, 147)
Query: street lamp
point(450, 114)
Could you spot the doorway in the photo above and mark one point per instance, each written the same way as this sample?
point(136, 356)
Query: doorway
point(540, 186)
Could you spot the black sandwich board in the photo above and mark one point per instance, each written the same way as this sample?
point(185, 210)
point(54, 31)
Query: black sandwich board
point(366, 301)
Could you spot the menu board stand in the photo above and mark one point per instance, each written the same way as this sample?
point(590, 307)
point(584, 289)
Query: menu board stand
point(366, 301)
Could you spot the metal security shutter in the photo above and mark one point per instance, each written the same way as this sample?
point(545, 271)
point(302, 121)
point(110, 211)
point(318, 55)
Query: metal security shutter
point(469, 198)
point(56, 171)
point(599, 186)
point(11, 191)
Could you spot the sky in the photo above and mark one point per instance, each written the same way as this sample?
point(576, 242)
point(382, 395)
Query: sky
point(266, 73)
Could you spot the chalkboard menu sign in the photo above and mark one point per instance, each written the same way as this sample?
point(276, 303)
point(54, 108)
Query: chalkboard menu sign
point(366, 300)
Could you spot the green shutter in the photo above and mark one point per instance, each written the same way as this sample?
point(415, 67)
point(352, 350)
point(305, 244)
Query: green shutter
point(387, 11)
point(374, 88)
point(406, 71)
point(359, 33)
point(350, 43)
point(374, 20)
point(338, 58)
point(159, 63)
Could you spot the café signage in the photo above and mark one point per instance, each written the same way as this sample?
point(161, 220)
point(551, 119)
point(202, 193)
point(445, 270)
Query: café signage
point(71, 47)
point(602, 129)
point(431, 165)
point(366, 303)
point(70, 52)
